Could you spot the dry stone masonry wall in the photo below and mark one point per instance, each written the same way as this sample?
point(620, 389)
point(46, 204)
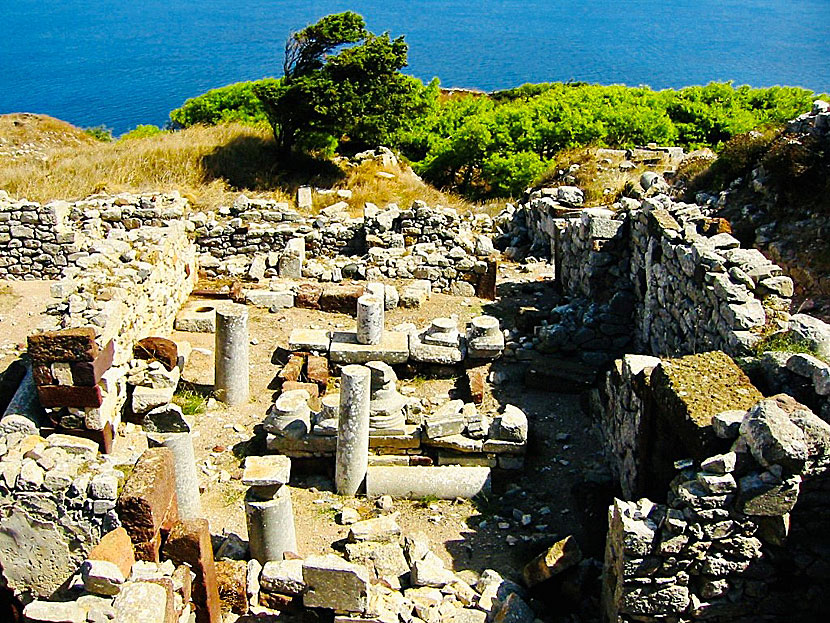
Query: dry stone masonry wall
point(684, 281)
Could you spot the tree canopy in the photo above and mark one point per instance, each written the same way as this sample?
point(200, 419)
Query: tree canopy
point(342, 86)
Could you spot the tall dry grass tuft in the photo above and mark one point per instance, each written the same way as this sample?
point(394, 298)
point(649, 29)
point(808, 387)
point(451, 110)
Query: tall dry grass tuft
point(368, 184)
point(209, 165)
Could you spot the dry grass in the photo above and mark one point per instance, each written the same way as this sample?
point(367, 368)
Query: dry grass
point(602, 182)
point(209, 165)
point(367, 186)
point(36, 135)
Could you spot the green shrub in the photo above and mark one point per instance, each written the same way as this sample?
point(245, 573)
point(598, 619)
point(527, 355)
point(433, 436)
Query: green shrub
point(141, 131)
point(100, 133)
point(234, 102)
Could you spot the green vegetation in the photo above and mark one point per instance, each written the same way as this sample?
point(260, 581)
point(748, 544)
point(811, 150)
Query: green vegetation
point(191, 403)
point(342, 90)
point(350, 99)
point(232, 103)
point(100, 133)
point(784, 342)
point(141, 131)
point(497, 145)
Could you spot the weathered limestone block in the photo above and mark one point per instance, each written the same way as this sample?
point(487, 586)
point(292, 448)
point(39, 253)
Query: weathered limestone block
point(335, 584)
point(690, 390)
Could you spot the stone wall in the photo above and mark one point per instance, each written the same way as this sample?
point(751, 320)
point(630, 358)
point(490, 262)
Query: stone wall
point(651, 412)
point(38, 243)
point(57, 497)
point(694, 289)
point(416, 243)
point(743, 536)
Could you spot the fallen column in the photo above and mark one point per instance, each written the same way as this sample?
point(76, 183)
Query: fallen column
point(353, 429)
point(444, 483)
point(268, 510)
point(231, 384)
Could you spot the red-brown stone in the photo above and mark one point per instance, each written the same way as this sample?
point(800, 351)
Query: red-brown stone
point(189, 543)
point(148, 500)
point(487, 284)
point(341, 299)
point(277, 601)
point(66, 345)
point(308, 296)
point(477, 379)
point(42, 375)
point(317, 371)
point(88, 373)
point(312, 388)
point(157, 349)
point(115, 547)
point(293, 369)
point(53, 396)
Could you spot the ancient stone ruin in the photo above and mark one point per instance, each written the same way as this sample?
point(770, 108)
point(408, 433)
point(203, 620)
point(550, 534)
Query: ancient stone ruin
point(716, 451)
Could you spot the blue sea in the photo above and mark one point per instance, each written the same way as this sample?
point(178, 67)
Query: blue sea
point(125, 62)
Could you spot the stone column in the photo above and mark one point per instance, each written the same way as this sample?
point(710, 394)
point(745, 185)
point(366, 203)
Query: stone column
point(369, 319)
point(353, 429)
point(268, 510)
point(231, 383)
point(184, 471)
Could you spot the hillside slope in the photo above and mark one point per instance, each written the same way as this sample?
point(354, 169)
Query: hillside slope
point(778, 200)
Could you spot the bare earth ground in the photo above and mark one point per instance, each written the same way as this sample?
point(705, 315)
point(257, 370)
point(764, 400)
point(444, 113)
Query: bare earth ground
point(465, 534)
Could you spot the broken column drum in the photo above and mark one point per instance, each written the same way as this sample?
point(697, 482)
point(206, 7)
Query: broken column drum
point(231, 383)
point(290, 416)
point(386, 404)
point(353, 429)
point(184, 471)
point(270, 525)
point(369, 319)
point(269, 513)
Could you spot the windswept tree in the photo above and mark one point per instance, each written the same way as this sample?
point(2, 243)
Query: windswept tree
point(342, 85)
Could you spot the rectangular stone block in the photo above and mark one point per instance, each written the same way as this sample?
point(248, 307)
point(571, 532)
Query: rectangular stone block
point(88, 373)
point(148, 496)
point(312, 388)
point(308, 296)
point(436, 427)
point(66, 345)
point(392, 349)
point(335, 584)
point(341, 299)
point(293, 369)
point(315, 340)
point(270, 299)
point(52, 396)
point(189, 542)
point(146, 399)
point(689, 391)
point(142, 602)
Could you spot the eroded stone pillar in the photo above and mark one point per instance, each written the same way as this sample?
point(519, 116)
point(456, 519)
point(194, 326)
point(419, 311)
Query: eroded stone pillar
point(353, 429)
point(268, 510)
point(184, 471)
point(369, 319)
point(231, 384)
